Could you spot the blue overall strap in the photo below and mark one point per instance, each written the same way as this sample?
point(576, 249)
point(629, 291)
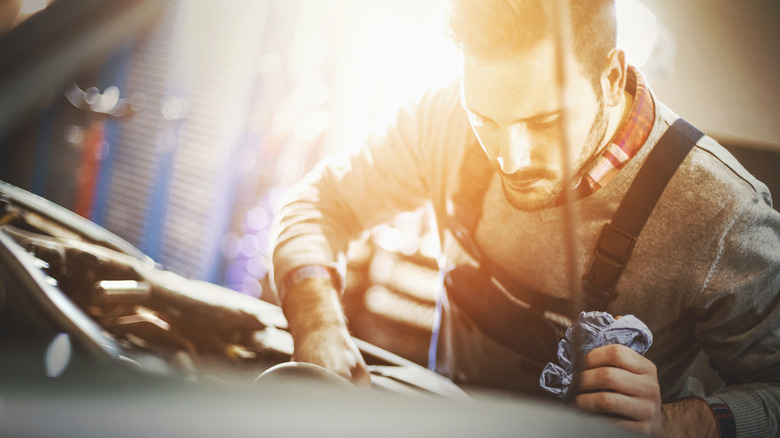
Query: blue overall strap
point(617, 239)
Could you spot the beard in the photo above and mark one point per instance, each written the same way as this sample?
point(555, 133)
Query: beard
point(538, 187)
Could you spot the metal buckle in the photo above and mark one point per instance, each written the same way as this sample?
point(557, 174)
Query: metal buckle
point(613, 249)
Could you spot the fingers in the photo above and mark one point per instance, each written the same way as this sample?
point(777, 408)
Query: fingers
point(358, 371)
point(361, 376)
point(617, 381)
point(618, 356)
point(618, 369)
point(352, 366)
point(335, 352)
point(616, 404)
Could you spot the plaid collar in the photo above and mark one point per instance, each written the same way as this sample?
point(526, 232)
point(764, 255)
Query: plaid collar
point(628, 140)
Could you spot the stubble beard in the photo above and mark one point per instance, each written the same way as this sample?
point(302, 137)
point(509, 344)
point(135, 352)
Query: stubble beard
point(551, 182)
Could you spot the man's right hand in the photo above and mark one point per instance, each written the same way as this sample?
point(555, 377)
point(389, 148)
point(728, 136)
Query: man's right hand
point(319, 330)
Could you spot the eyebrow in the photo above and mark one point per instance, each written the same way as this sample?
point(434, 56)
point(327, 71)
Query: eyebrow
point(532, 119)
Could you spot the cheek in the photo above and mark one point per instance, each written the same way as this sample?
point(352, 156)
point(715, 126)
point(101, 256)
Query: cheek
point(580, 131)
point(546, 146)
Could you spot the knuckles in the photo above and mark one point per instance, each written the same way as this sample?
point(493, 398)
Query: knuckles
point(618, 354)
point(605, 375)
point(605, 402)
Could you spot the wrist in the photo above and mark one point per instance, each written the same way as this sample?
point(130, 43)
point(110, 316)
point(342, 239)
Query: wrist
point(689, 417)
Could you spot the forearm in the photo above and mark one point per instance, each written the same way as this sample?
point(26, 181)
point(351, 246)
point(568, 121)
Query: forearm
point(319, 330)
point(313, 306)
point(689, 418)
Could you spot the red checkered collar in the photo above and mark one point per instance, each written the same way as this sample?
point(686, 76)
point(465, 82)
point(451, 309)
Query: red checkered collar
point(628, 140)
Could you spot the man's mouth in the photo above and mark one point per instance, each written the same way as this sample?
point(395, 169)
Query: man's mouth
point(527, 179)
point(523, 184)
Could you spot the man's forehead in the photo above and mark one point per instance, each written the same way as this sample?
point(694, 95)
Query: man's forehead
point(520, 85)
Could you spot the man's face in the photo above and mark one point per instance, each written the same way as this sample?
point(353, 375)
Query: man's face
point(514, 109)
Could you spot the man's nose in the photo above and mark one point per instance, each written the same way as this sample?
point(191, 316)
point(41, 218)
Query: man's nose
point(515, 152)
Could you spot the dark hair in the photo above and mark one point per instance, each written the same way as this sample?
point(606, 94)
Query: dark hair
point(497, 27)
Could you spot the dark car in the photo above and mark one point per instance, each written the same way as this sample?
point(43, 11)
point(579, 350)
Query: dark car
point(75, 294)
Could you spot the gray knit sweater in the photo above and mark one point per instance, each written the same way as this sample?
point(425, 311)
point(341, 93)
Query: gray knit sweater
point(704, 274)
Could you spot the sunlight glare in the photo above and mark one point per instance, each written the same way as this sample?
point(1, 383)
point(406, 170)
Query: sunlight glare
point(637, 31)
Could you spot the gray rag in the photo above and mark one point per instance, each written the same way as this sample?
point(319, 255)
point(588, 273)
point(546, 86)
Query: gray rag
point(598, 329)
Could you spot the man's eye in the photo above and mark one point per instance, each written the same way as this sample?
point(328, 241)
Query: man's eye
point(547, 122)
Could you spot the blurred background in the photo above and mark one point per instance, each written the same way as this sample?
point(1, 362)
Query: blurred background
point(179, 124)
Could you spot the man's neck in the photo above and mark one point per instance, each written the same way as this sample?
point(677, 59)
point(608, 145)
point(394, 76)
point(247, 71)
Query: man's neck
point(617, 116)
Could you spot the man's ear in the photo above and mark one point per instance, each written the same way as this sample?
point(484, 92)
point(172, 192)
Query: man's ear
point(613, 79)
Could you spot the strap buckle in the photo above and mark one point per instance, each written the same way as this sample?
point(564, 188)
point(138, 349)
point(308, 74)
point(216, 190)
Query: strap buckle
point(613, 249)
point(615, 245)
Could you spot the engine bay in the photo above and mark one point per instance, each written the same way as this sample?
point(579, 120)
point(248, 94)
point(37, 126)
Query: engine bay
point(101, 291)
point(203, 330)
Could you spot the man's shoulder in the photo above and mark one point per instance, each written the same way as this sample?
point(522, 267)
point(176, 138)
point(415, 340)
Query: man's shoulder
point(711, 168)
point(709, 155)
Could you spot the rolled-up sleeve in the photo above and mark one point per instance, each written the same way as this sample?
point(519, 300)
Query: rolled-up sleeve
point(344, 196)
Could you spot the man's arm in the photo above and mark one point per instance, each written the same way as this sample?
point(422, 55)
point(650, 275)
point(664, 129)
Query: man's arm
point(319, 330)
point(691, 417)
point(735, 314)
point(393, 172)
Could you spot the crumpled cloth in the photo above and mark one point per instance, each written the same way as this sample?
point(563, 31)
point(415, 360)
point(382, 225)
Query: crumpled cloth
point(597, 329)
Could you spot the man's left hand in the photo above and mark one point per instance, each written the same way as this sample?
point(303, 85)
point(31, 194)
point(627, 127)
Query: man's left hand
point(617, 381)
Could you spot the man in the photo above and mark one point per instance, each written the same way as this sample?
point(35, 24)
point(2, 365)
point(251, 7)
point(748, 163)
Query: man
point(704, 273)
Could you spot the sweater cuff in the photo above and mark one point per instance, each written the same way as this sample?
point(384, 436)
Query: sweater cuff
point(750, 411)
point(297, 275)
point(724, 417)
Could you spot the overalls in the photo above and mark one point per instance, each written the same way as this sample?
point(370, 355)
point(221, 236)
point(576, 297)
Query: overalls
point(492, 331)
